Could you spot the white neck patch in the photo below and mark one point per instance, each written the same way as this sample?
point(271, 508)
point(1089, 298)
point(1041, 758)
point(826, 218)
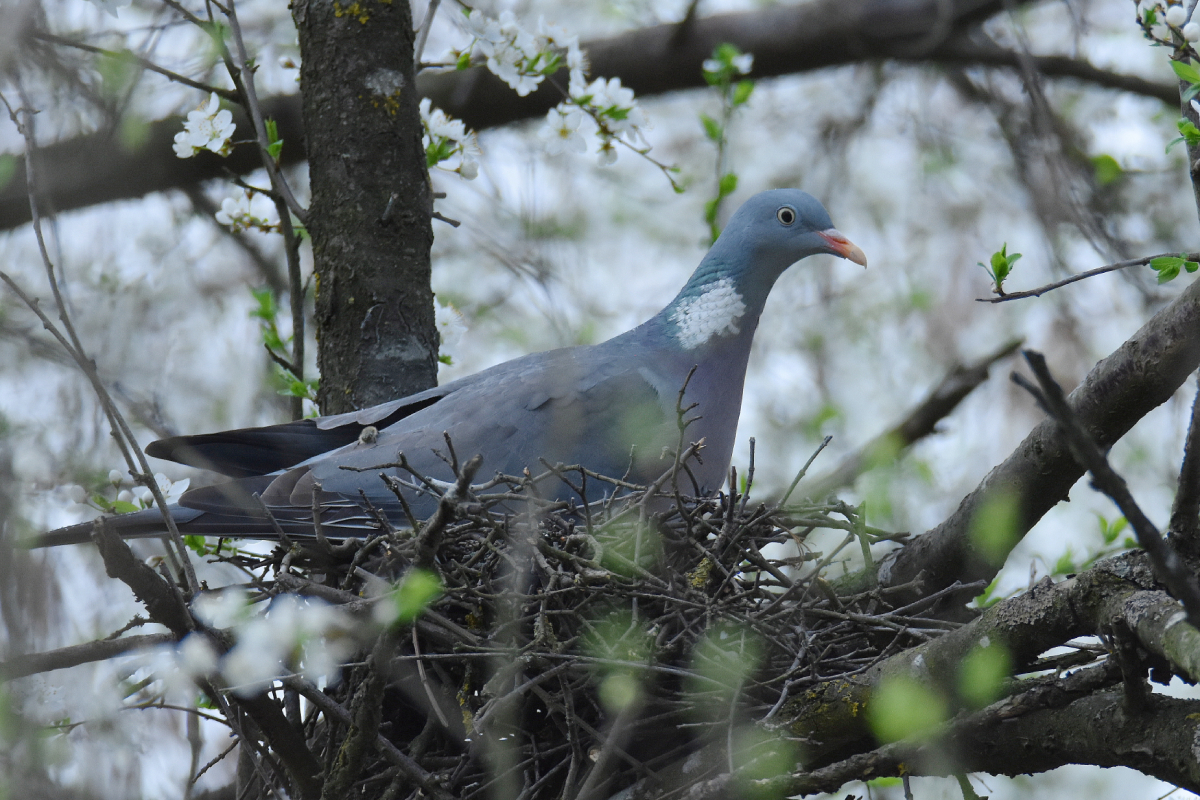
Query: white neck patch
point(715, 312)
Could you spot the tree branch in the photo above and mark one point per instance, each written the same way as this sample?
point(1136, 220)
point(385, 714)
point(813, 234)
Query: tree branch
point(1091, 273)
point(665, 58)
point(1141, 375)
point(1185, 512)
point(1168, 566)
point(959, 382)
point(86, 653)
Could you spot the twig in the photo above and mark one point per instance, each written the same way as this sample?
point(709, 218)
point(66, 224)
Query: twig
point(122, 435)
point(101, 650)
point(1185, 512)
point(1041, 290)
point(920, 422)
point(423, 31)
point(126, 55)
point(1168, 567)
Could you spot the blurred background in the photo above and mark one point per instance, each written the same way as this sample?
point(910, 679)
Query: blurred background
point(929, 168)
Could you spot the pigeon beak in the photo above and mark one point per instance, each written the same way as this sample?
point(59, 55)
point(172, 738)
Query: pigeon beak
point(841, 246)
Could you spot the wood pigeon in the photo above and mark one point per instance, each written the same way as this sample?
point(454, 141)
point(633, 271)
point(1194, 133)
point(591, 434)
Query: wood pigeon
point(610, 407)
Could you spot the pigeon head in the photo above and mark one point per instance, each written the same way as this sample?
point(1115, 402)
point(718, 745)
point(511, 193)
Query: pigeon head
point(769, 233)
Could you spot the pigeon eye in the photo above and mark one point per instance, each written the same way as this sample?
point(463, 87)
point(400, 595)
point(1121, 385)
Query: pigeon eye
point(785, 215)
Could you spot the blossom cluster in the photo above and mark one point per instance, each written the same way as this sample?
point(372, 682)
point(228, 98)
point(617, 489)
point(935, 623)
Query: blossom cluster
point(451, 328)
point(1174, 15)
point(445, 138)
point(128, 496)
point(237, 213)
point(523, 59)
point(291, 635)
point(207, 128)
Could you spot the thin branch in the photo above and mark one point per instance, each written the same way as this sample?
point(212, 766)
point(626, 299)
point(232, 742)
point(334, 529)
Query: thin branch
point(920, 422)
point(1168, 567)
point(64, 657)
point(1185, 513)
point(125, 55)
point(122, 435)
point(1041, 290)
point(423, 31)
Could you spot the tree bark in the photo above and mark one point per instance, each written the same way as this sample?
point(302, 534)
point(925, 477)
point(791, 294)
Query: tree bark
point(96, 168)
point(371, 203)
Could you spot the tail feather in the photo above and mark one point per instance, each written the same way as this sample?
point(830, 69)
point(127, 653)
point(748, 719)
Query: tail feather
point(344, 522)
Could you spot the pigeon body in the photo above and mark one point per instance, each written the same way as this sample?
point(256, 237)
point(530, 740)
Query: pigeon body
point(610, 407)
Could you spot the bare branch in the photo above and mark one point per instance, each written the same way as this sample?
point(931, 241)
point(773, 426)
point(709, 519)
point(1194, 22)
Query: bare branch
point(1141, 375)
point(666, 58)
point(1041, 290)
point(100, 650)
point(1169, 568)
point(1185, 512)
point(920, 422)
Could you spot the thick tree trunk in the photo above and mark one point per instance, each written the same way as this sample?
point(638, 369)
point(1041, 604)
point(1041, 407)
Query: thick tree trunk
point(370, 212)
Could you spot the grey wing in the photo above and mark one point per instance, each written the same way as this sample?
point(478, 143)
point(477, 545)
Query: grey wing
point(608, 416)
point(259, 451)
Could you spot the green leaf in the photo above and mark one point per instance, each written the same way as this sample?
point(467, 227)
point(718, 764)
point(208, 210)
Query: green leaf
point(416, 591)
point(1168, 274)
point(1107, 170)
point(901, 707)
point(266, 304)
point(994, 529)
point(710, 211)
point(982, 674)
point(1066, 564)
point(726, 52)
point(728, 184)
point(1186, 71)
point(1189, 132)
point(712, 128)
point(964, 786)
point(464, 61)
point(1191, 92)
point(742, 92)
point(8, 168)
point(122, 507)
point(989, 597)
point(1168, 267)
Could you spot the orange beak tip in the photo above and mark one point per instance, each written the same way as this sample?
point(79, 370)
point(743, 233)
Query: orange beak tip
point(839, 245)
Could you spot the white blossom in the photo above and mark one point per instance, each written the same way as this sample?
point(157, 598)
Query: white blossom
point(1191, 31)
point(438, 123)
point(308, 636)
point(469, 169)
point(483, 27)
point(111, 6)
point(561, 132)
point(221, 609)
point(450, 325)
point(743, 63)
point(116, 477)
point(125, 496)
point(236, 212)
point(607, 155)
point(1176, 15)
point(207, 128)
point(445, 137)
